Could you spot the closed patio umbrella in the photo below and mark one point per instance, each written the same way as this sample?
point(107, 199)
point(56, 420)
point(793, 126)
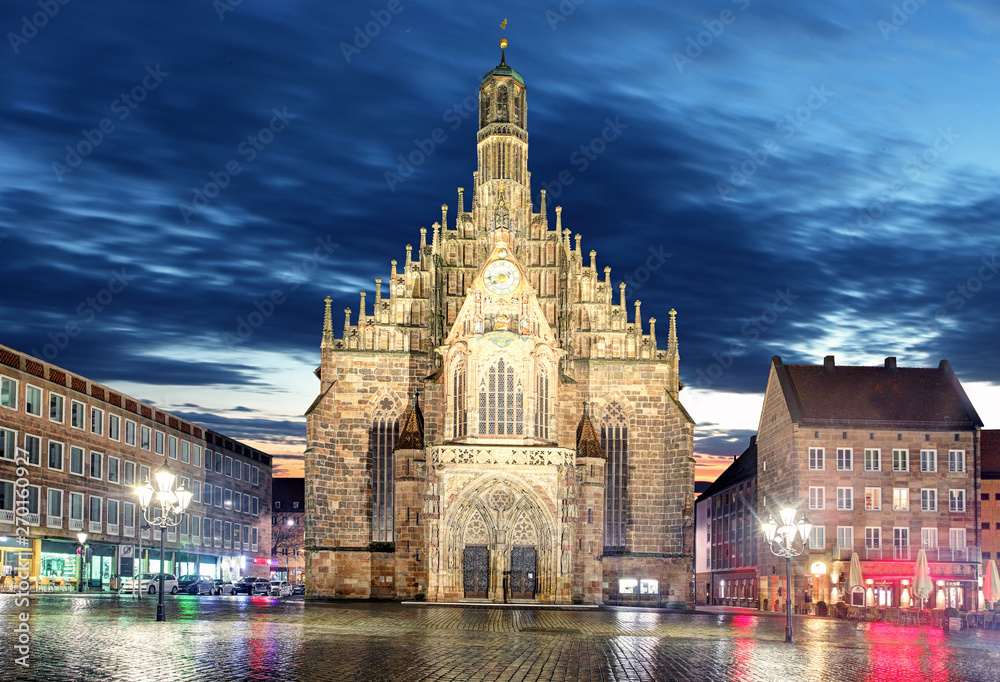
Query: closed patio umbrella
point(855, 577)
point(991, 582)
point(922, 583)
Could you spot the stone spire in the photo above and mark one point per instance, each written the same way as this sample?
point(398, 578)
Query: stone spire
point(638, 318)
point(542, 209)
point(652, 332)
point(327, 325)
point(672, 338)
point(347, 322)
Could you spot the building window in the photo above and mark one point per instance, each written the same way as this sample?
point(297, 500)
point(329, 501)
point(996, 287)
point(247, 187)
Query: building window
point(845, 537)
point(901, 499)
point(873, 460)
point(129, 432)
point(845, 459)
point(229, 467)
point(96, 514)
point(501, 402)
point(57, 407)
point(956, 500)
point(542, 408)
point(33, 400)
point(114, 472)
point(77, 416)
point(901, 539)
point(237, 471)
point(460, 414)
point(873, 537)
point(614, 441)
point(845, 498)
point(146, 435)
point(196, 455)
point(256, 506)
point(113, 517)
point(33, 449)
point(76, 460)
point(54, 508)
point(218, 462)
point(928, 460)
point(928, 499)
point(96, 465)
point(8, 393)
point(873, 498)
point(384, 433)
point(208, 459)
point(130, 474)
point(160, 443)
point(816, 458)
point(956, 461)
point(8, 442)
point(97, 421)
point(817, 537)
point(246, 503)
point(143, 474)
point(172, 447)
point(256, 475)
point(956, 538)
point(56, 455)
point(76, 511)
point(196, 491)
point(817, 497)
point(900, 460)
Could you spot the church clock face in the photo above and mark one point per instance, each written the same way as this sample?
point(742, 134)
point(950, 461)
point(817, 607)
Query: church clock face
point(501, 277)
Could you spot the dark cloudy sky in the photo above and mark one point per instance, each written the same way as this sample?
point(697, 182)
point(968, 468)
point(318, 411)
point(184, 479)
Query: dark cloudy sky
point(823, 175)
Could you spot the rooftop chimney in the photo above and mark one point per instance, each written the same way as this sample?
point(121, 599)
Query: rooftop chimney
point(828, 364)
point(890, 364)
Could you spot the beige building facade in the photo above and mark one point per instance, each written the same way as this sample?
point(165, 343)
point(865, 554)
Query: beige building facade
point(884, 461)
point(497, 424)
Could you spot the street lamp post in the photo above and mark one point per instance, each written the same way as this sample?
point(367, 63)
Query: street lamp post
point(787, 540)
point(82, 537)
point(165, 512)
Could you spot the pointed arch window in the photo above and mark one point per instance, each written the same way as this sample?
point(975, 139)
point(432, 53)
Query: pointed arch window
point(542, 404)
point(501, 402)
point(460, 416)
point(501, 106)
point(614, 440)
point(382, 440)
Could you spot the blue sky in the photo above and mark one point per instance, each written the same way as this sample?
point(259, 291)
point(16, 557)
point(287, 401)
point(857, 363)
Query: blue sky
point(822, 175)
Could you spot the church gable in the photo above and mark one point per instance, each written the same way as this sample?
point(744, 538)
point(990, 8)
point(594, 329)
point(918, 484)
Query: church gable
point(501, 299)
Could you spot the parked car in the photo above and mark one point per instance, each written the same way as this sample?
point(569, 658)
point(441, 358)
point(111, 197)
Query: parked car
point(150, 582)
point(299, 588)
point(224, 587)
point(252, 586)
point(280, 588)
point(196, 584)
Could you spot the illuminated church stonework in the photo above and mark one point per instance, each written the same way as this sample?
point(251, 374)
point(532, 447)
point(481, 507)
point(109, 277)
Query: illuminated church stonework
point(493, 425)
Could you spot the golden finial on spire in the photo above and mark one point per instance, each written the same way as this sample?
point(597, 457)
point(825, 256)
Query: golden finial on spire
point(503, 43)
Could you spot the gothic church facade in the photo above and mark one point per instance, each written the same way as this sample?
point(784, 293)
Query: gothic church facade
point(495, 425)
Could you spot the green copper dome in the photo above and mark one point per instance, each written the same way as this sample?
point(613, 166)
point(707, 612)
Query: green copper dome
point(504, 70)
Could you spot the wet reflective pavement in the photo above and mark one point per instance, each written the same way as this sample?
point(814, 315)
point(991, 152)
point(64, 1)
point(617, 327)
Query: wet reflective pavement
point(226, 638)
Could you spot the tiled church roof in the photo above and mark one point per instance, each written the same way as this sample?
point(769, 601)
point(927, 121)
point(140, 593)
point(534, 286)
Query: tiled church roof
point(587, 442)
point(412, 436)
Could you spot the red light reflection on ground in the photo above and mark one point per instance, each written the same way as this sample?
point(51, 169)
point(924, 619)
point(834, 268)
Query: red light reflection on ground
point(905, 654)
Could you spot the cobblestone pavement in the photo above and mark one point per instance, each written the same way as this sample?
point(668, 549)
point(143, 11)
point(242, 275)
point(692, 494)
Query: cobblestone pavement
point(224, 638)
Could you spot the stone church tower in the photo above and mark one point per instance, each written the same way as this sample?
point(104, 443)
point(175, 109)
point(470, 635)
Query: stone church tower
point(493, 426)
